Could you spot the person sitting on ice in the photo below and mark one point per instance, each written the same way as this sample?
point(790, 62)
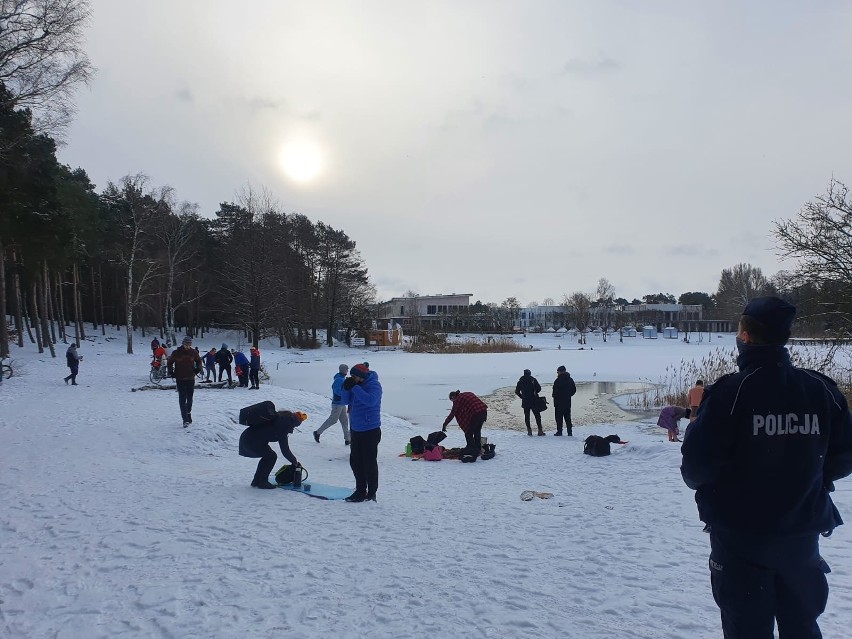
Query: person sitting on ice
point(670, 416)
point(254, 442)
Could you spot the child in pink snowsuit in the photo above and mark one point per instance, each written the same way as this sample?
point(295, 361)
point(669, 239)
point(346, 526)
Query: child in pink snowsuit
point(669, 418)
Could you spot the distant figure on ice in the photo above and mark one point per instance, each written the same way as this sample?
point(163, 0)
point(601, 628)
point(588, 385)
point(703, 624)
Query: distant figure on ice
point(528, 389)
point(210, 363)
point(241, 366)
point(254, 442)
point(669, 418)
point(72, 360)
point(224, 359)
point(470, 413)
point(365, 427)
point(564, 389)
point(183, 364)
point(694, 397)
point(339, 403)
point(254, 368)
point(763, 456)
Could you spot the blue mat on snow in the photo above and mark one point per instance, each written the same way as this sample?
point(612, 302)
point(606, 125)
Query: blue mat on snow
point(320, 491)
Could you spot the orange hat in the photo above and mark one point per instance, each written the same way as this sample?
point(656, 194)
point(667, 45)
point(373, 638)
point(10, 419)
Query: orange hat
point(302, 416)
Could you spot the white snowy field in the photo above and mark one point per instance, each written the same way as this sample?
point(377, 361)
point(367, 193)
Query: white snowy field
point(117, 522)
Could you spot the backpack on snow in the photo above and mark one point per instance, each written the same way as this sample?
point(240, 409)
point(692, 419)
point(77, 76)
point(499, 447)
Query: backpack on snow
point(418, 445)
point(598, 446)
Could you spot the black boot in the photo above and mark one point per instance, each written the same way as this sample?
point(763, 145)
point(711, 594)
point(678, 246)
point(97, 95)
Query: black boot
point(568, 432)
point(371, 496)
point(529, 431)
point(540, 432)
point(558, 433)
point(356, 497)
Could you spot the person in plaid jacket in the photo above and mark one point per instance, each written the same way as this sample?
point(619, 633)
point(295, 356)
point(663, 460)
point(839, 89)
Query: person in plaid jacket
point(470, 413)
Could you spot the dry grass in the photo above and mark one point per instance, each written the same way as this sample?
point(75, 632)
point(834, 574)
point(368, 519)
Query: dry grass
point(672, 388)
point(439, 344)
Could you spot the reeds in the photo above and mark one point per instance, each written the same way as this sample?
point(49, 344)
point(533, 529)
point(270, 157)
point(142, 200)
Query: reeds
point(470, 345)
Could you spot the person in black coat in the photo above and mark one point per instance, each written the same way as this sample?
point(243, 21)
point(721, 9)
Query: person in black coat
point(528, 389)
point(763, 455)
point(254, 442)
point(224, 359)
point(564, 389)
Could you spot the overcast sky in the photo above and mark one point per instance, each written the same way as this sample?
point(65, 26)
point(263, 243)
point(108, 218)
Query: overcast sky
point(523, 148)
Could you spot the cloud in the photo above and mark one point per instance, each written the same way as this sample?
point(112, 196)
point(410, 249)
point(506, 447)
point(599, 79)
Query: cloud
point(693, 250)
point(619, 249)
point(184, 95)
point(257, 104)
point(587, 68)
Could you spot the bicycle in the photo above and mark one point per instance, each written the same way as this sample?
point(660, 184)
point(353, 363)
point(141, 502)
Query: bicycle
point(5, 370)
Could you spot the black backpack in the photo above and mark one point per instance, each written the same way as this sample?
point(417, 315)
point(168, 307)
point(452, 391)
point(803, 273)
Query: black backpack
point(598, 446)
point(258, 414)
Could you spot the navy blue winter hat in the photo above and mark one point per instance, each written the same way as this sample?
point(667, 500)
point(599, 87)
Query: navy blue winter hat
point(774, 314)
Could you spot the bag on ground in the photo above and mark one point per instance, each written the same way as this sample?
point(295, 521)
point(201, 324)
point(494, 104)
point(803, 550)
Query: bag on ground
point(598, 446)
point(433, 452)
point(418, 445)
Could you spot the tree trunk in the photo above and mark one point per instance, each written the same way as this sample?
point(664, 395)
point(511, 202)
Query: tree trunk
point(80, 306)
point(34, 315)
point(60, 296)
point(129, 309)
point(101, 298)
point(48, 299)
point(41, 304)
point(4, 327)
point(94, 299)
point(78, 328)
point(19, 307)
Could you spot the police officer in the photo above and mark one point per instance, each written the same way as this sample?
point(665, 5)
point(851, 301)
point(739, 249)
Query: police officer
point(768, 443)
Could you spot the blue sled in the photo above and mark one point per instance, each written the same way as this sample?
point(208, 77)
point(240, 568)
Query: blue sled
point(320, 491)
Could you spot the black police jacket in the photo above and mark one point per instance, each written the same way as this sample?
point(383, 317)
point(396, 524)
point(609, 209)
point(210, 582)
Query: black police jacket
point(768, 443)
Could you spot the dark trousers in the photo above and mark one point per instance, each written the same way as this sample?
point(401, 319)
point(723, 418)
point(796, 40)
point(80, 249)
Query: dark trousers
point(473, 435)
point(211, 369)
point(363, 459)
point(527, 416)
point(563, 412)
point(266, 464)
point(73, 375)
point(243, 378)
point(758, 581)
point(185, 390)
point(222, 369)
point(253, 377)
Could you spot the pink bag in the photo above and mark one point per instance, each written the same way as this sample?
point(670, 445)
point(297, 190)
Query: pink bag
point(435, 454)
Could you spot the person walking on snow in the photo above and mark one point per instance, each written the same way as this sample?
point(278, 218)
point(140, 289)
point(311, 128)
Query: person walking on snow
point(254, 368)
point(470, 413)
point(564, 389)
point(528, 389)
point(72, 360)
point(339, 403)
point(224, 359)
point(365, 430)
point(254, 442)
point(183, 365)
point(670, 418)
point(763, 455)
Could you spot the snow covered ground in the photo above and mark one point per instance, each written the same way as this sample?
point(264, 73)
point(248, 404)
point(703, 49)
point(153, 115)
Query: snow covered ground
point(117, 522)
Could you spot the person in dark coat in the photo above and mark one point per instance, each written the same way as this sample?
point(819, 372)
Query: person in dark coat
point(210, 363)
point(241, 365)
point(183, 365)
point(762, 455)
point(254, 442)
point(224, 359)
point(528, 389)
point(72, 360)
point(564, 389)
point(254, 368)
point(365, 424)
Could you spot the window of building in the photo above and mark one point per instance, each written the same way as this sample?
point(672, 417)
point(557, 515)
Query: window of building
point(430, 310)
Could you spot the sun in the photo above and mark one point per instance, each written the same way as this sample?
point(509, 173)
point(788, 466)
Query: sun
point(301, 161)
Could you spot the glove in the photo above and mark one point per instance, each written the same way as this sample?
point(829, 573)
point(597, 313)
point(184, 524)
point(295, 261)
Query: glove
point(349, 383)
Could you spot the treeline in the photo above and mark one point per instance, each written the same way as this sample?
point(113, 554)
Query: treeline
point(133, 256)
